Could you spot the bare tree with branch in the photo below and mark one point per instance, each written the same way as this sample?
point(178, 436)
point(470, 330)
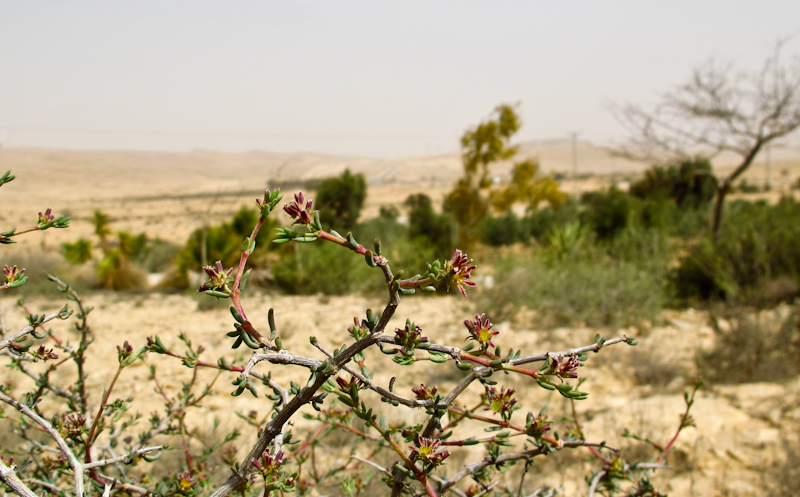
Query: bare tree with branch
point(718, 110)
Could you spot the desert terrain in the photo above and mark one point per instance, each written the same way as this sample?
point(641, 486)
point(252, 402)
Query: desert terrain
point(740, 430)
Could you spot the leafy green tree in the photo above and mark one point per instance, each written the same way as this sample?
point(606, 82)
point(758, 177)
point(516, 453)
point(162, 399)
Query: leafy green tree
point(472, 198)
point(341, 199)
point(529, 187)
point(487, 143)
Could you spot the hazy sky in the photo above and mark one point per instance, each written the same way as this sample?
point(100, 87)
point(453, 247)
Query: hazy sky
point(350, 77)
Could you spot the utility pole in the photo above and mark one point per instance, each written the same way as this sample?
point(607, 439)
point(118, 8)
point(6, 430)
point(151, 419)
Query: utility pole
point(575, 164)
point(768, 185)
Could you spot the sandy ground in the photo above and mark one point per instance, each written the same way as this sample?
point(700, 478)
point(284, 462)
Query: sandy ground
point(739, 428)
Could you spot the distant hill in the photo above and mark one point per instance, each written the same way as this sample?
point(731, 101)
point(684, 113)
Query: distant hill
point(117, 174)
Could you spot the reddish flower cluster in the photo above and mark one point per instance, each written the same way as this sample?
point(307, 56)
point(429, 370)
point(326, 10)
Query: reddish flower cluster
point(537, 426)
point(218, 277)
point(359, 329)
point(409, 337)
point(46, 217)
point(186, 483)
point(13, 274)
point(423, 393)
point(301, 211)
point(480, 330)
point(565, 367)
point(43, 354)
point(74, 425)
point(459, 270)
point(124, 351)
point(270, 468)
point(501, 402)
point(427, 451)
point(346, 385)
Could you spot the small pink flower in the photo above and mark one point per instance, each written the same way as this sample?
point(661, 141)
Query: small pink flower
point(459, 270)
point(13, 275)
point(409, 337)
point(480, 330)
point(565, 367)
point(423, 392)
point(501, 402)
point(219, 278)
point(537, 426)
point(427, 451)
point(43, 354)
point(46, 217)
point(270, 465)
point(359, 329)
point(346, 385)
point(299, 209)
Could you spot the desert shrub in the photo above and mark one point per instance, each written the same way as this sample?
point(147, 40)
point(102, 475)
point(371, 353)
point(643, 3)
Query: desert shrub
point(755, 247)
point(540, 222)
point(387, 228)
point(566, 241)
point(689, 183)
point(77, 252)
point(151, 255)
point(436, 230)
point(607, 212)
point(752, 348)
point(340, 200)
point(116, 272)
point(224, 241)
point(585, 287)
point(159, 256)
point(502, 230)
point(319, 269)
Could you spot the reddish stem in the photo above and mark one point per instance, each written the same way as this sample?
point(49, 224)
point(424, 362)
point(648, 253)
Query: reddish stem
point(504, 366)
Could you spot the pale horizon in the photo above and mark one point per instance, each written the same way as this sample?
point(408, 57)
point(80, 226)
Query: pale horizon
point(352, 78)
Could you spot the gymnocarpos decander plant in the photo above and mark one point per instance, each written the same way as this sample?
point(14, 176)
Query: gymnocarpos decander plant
point(89, 448)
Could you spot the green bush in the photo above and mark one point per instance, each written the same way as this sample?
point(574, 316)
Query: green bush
point(757, 245)
point(689, 183)
point(502, 230)
point(77, 252)
point(584, 286)
point(541, 222)
point(224, 242)
point(607, 212)
point(436, 230)
point(319, 268)
point(340, 200)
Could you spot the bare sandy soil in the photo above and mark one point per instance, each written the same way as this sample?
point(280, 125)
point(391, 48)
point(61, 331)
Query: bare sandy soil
point(739, 428)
